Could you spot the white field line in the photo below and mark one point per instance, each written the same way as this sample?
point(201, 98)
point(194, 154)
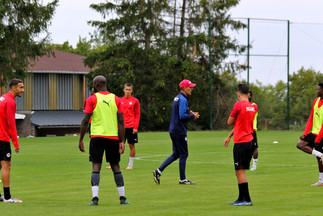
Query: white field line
point(152, 158)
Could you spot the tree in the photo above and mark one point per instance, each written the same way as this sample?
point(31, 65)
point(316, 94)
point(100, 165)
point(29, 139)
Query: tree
point(302, 94)
point(83, 47)
point(147, 48)
point(22, 21)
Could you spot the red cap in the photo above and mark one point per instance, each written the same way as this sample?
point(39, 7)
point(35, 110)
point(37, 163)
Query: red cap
point(186, 83)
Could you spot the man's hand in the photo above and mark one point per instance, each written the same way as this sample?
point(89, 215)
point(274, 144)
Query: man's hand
point(17, 149)
point(226, 141)
point(121, 147)
point(135, 131)
point(302, 137)
point(196, 114)
point(81, 146)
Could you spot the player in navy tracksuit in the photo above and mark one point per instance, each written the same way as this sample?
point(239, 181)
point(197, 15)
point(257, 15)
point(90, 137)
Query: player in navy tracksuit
point(178, 132)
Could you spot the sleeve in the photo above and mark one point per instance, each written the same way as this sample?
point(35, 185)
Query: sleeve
point(256, 108)
point(11, 121)
point(90, 104)
point(137, 115)
point(119, 105)
point(235, 110)
point(310, 121)
point(183, 110)
point(319, 136)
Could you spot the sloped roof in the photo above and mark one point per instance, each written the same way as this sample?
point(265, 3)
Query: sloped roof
point(62, 62)
point(54, 119)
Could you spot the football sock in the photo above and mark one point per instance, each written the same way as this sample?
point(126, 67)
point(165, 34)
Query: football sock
point(131, 159)
point(240, 198)
point(118, 178)
point(321, 177)
point(6, 191)
point(95, 180)
point(246, 191)
point(254, 162)
point(317, 153)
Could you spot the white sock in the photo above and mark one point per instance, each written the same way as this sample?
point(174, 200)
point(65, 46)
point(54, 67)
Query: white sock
point(317, 153)
point(131, 159)
point(121, 191)
point(95, 191)
point(254, 162)
point(321, 177)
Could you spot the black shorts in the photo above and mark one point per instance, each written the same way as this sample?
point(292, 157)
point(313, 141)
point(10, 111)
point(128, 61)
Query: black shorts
point(97, 147)
point(242, 154)
point(130, 136)
point(255, 141)
point(5, 151)
point(310, 138)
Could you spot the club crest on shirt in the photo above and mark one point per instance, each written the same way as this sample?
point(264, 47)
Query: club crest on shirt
point(2, 98)
point(130, 103)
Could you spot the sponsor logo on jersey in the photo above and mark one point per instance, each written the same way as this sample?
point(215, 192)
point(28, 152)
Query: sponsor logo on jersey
point(250, 109)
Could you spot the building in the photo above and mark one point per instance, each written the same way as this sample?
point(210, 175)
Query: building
point(55, 91)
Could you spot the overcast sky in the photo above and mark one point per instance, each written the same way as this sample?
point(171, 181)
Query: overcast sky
point(71, 16)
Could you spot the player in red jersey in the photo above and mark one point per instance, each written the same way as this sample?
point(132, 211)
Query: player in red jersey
point(311, 141)
point(8, 130)
point(131, 114)
point(242, 116)
point(107, 123)
point(254, 134)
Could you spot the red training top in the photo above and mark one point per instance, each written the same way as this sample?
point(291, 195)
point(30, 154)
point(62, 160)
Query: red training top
point(90, 105)
point(8, 120)
point(310, 123)
point(244, 113)
point(131, 114)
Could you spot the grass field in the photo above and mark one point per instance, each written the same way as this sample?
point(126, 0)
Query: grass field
point(52, 177)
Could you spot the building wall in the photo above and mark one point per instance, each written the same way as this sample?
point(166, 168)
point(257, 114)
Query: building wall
point(50, 91)
point(28, 94)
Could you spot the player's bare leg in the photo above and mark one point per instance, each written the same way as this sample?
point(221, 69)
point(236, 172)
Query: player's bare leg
point(131, 155)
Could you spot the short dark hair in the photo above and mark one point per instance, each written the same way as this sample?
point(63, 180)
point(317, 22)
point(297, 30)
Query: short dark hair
point(250, 92)
point(14, 82)
point(243, 88)
point(321, 85)
point(128, 84)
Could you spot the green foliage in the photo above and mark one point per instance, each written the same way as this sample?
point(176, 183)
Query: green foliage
point(156, 44)
point(21, 22)
point(272, 99)
point(83, 47)
point(302, 94)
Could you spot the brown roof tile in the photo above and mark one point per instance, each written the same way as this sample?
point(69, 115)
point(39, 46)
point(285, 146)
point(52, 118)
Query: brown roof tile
point(62, 62)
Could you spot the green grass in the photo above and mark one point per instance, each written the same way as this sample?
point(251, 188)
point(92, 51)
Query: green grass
point(52, 177)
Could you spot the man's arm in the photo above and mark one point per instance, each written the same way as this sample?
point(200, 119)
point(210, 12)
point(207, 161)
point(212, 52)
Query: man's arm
point(137, 117)
point(227, 140)
point(84, 125)
point(182, 112)
point(121, 129)
point(230, 121)
point(11, 122)
point(309, 123)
